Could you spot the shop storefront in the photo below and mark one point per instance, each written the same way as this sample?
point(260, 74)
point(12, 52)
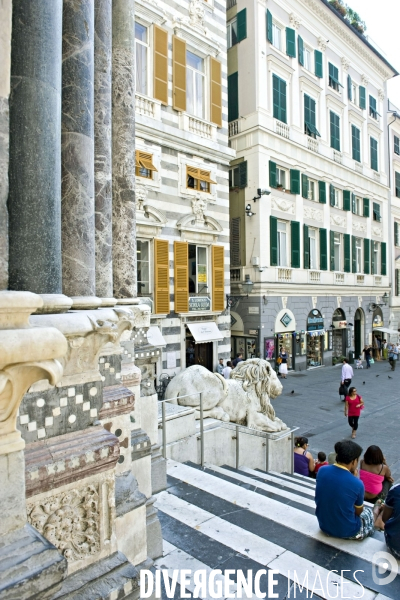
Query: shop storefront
point(285, 336)
point(339, 335)
point(315, 339)
point(378, 336)
point(245, 345)
point(359, 334)
point(201, 344)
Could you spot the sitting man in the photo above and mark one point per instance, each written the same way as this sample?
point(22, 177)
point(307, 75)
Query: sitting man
point(391, 519)
point(339, 496)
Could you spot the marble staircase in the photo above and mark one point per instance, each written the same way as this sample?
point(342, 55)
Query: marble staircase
point(218, 517)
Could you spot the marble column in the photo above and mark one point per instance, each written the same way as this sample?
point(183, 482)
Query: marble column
point(102, 146)
point(34, 202)
point(77, 155)
point(123, 135)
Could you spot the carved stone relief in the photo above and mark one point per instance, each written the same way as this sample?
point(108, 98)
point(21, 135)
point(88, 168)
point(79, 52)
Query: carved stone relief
point(141, 197)
point(196, 13)
point(339, 301)
point(365, 80)
point(294, 21)
point(338, 220)
point(284, 301)
point(322, 43)
point(381, 94)
point(377, 231)
point(358, 226)
point(282, 204)
point(199, 206)
point(313, 213)
point(345, 63)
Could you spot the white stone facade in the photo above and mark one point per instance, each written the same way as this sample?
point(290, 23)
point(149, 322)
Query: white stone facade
point(338, 68)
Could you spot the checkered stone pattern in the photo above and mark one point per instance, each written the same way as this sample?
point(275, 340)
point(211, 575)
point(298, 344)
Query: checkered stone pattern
point(140, 444)
point(59, 410)
point(110, 369)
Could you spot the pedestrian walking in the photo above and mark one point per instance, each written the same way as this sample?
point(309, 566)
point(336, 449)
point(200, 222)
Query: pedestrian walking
point(227, 370)
point(238, 359)
point(283, 368)
point(385, 350)
point(352, 409)
point(347, 373)
point(367, 353)
point(393, 356)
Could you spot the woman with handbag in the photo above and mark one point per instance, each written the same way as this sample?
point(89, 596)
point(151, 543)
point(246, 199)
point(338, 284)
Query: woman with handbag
point(283, 368)
point(354, 404)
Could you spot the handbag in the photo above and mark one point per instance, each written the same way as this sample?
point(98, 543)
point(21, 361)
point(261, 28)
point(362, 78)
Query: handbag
point(371, 361)
point(343, 390)
point(278, 360)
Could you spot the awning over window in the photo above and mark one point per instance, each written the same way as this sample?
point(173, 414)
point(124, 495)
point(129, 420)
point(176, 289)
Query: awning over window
point(205, 332)
point(155, 338)
point(386, 330)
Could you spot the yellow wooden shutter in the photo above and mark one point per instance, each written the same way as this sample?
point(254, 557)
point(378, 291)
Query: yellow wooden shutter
point(216, 92)
point(181, 277)
point(178, 73)
point(160, 64)
point(161, 277)
point(218, 296)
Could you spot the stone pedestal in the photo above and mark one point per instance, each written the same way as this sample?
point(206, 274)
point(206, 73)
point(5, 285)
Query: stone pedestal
point(78, 243)
point(35, 144)
point(153, 527)
point(123, 136)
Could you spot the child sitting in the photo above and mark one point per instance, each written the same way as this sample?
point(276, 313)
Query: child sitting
point(321, 462)
point(359, 364)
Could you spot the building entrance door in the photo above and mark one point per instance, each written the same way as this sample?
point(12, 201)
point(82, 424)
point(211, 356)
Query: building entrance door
point(203, 355)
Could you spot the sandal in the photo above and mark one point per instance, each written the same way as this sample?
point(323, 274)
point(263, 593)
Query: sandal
point(353, 435)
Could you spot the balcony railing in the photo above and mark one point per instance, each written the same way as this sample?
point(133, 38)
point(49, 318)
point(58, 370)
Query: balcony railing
point(314, 276)
point(282, 129)
point(235, 275)
point(337, 157)
point(145, 106)
point(377, 177)
point(284, 275)
point(230, 3)
point(378, 280)
point(233, 128)
point(312, 144)
point(339, 277)
point(201, 128)
point(360, 279)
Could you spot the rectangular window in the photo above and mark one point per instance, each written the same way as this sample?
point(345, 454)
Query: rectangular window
point(372, 108)
point(376, 211)
point(307, 59)
point(312, 190)
point(374, 154)
point(359, 259)
point(337, 263)
point(310, 117)
point(319, 71)
point(335, 130)
point(336, 198)
point(396, 145)
point(282, 244)
point(144, 165)
point(396, 233)
point(397, 282)
point(143, 267)
point(238, 176)
point(280, 178)
point(198, 271)
point(375, 258)
point(359, 206)
point(354, 95)
point(233, 96)
point(276, 36)
point(312, 237)
point(279, 98)
point(397, 184)
point(355, 143)
point(334, 77)
point(141, 46)
point(194, 85)
point(197, 179)
point(231, 33)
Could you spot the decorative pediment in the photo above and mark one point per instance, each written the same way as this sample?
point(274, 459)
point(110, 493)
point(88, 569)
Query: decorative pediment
point(149, 220)
point(193, 229)
point(193, 31)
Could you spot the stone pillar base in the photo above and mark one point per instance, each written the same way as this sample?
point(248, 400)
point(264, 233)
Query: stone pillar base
point(158, 470)
point(153, 527)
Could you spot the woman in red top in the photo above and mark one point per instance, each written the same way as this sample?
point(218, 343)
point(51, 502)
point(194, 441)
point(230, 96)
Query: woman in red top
point(352, 409)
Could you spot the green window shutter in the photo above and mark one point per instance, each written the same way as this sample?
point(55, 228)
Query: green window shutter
point(347, 252)
point(334, 77)
point(295, 244)
point(335, 131)
point(304, 185)
point(353, 254)
point(396, 145)
point(397, 183)
point(374, 154)
point(309, 117)
point(349, 88)
point(233, 97)
point(372, 258)
point(243, 174)
point(346, 200)
point(365, 207)
point(272, 174)
point(396, 233)
point(323, 250)
point(331, 195)
point(353, 204)
point(322, 191)
point(372, 107)
point(269, 26)
point(355, 143)
point(279, 98)
point(273, 236)
point(363, 97)
point(383, 258)
point(294, 181)
point(306, 245)
point(332, 250)
point(319, 72)
point(366, 256)
point(300, 48)
point(241, 25)
point(290, 42)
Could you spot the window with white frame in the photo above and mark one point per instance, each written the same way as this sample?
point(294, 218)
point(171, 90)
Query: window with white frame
point(337, 197)
point(359, 261)
point(231, 33)
point(312, 190)
point(280, 178)
point(357, 205)
point(375, 262)
point(354, 94)
point(195, 85)
point(307, 58)
point(313, 237)
point(276, 36)
point(337, 264)
point(143, 267)
point(141, 47)
point(198, 271)
point(282, 244)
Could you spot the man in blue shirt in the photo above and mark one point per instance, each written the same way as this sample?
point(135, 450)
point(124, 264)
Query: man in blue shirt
point(339, 496)
point(391, 518)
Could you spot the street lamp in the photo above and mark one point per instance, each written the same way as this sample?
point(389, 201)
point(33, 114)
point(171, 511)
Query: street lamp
point(249, 212)
point(385, 298)
point(247, 287)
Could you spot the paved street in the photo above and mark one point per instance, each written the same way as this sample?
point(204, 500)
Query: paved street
point(316, 409)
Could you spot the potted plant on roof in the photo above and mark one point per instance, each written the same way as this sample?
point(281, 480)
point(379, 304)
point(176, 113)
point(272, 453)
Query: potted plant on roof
point(339, 6)
point(355, 20)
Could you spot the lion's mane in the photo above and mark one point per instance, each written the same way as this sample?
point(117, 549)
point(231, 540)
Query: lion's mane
point(256, 373)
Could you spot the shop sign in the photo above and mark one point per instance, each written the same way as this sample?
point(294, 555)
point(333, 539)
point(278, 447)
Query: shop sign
point(199, 303)
point(315, 322)
point(253, 331)
point(254, 310)
point(339, 324)
point(286, 320)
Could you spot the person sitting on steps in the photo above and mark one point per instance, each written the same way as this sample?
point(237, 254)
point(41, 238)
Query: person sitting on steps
point(375, 474)
point(304, 463)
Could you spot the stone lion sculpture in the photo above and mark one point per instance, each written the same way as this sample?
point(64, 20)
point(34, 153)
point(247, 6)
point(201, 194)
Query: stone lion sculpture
point(243, 399)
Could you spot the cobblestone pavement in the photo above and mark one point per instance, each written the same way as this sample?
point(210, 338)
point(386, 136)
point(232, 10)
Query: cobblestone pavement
point(316, 409)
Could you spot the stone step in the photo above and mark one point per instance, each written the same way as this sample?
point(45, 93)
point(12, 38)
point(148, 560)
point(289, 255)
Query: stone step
point(279, 522)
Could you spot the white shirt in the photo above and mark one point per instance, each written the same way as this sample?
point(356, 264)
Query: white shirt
point(227, 372)
point(347, 372)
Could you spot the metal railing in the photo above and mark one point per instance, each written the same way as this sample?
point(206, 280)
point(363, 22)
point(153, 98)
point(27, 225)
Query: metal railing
point(238, 429)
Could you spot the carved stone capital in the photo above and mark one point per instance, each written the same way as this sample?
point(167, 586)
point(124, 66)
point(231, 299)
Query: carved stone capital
point(345, 63)
point(322, 42)
point(365, 80)
point(381, 94)
point(294, 21)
